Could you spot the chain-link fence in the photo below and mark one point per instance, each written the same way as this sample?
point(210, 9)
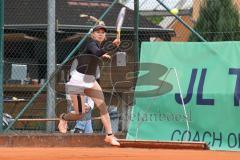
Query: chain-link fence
point(214, 20)
point(26, 49)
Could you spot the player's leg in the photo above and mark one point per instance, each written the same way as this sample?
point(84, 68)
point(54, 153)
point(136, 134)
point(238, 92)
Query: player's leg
point(97, 95)
point(79, 109)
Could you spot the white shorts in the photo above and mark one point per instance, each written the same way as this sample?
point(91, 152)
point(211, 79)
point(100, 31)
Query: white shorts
point(79, 82)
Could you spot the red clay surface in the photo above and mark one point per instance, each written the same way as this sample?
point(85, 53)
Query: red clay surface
point(113, 154)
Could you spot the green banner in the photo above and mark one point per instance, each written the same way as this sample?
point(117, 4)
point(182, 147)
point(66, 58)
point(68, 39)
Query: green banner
point(207, 75)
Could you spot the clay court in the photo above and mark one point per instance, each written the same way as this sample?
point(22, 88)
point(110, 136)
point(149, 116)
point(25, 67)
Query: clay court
point(109, 153)
point(91, 147)
point(167, 101)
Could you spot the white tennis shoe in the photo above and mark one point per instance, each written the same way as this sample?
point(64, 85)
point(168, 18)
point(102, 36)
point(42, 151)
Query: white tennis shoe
point(111, 140)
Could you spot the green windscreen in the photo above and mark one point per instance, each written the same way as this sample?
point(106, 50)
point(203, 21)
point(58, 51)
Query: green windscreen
point(207, 75)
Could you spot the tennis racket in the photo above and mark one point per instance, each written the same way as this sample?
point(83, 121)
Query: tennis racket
point(120, 20)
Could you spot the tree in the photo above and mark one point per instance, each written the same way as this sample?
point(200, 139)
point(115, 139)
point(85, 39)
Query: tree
point(218, 21)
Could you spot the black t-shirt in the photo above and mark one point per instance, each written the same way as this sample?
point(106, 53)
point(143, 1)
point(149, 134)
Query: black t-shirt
point(88, 62)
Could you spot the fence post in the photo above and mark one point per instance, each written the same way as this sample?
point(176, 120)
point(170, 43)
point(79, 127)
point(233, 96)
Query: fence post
point(51, 65)
point(1, 62)
point(136, 27)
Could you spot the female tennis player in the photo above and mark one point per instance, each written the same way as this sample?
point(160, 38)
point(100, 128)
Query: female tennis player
point(83, 81)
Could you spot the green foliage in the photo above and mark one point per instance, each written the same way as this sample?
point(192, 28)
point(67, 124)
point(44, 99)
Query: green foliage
point(218, 21)
point(155, 19)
